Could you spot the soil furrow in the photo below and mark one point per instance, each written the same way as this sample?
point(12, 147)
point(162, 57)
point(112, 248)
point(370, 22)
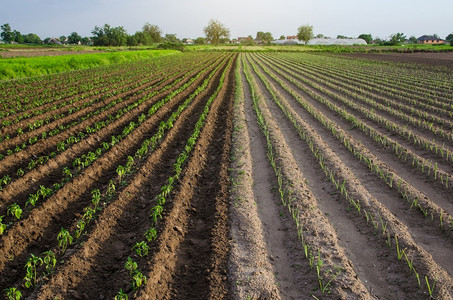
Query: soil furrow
point(124, 221)
point(20, 235)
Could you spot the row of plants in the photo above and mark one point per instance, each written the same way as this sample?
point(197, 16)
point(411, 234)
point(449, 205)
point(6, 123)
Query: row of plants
point(421, 123)
point(349, 86)
point(383, 172)
point(403, 153)
point(141, 248)
point(59, 109)
point(326, 274)
point(80, 163)
point(74, 139)
point(55, 89)
point(103, 84)
point(99, 200)
point(348, 185)
point(114, 93)
point(423, 101)
point(411, 80)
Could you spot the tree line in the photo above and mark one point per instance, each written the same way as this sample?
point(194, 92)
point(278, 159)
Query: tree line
point(215, 33)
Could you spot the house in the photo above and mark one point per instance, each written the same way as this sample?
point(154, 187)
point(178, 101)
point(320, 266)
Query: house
point(189, 42)
point(430, 39)
point(245, 39)
point(291, 37)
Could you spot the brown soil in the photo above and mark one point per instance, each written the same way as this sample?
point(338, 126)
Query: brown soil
point(438, 59)
point(226, 230)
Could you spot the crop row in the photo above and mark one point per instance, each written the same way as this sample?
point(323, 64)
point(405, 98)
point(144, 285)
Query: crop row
point(350, 188)
point(101, 197)
point(80, 163)
point(401, 151)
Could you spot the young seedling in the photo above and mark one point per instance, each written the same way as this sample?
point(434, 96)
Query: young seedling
point(121, 295)
point(2, 226)
point(14, 210)
point(96, 197)
point(130, 265)
point(430, 288)
point(139, 279)
point(400, 253)
point(156, 212)
point(80, 228)
point(13, 293)
point(150, 234)
point(121, 171)
point(32, 199)
point(141, 248)
point(49, 260)
point(32, 263)
point(64, 239)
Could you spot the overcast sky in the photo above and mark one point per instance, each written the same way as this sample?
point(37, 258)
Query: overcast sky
point(186, 18)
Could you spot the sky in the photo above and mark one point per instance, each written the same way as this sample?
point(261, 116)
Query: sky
point(187, 18)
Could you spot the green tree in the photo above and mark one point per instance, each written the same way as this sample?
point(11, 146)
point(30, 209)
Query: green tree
point(142, 38)
point(32, 38)
point(171, 38)
point(200, 41)
point(86, 41)
point(282, 37)
point(413, 40)
point(118, 36)
point(215, 31)
point(132, 40)
point(397, 39)
point(305, 33)
point(366, 37)
point(264, 36)
point(153, 32)
point(320, 36)
point(62, 39)
point(74, 38)
point(18, 37)
point(109, 36)
point(7, 33)
point(449, 39)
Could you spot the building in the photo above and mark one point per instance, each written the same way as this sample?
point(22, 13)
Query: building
point(245, 39)
point(430, 39)
point(291, 37)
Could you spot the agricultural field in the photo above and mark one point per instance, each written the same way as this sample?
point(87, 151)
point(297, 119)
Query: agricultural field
point(229, 175)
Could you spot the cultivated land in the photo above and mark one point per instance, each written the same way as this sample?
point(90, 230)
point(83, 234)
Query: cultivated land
point(222, 175)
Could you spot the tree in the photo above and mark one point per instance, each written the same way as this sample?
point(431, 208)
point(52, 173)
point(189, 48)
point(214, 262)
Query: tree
point(74, 38)
point(264, 36)
point(413, 40)
point(305, 33)
point(7, 34)
point(320, 36)
point(397, 39)
point(366, 37)
point(109, 36)
point(172, 38)
point(282, 37)
point(200, 41)
point(153, 32)
point(449, 38)
point(132, 40)
point(32, 38)
point(18, 37)
point(62, 39)
point(215, 31)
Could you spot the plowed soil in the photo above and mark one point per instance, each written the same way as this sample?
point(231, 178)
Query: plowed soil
point(281, 195)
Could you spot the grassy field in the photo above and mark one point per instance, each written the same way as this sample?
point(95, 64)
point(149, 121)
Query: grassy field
point(19, 67)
